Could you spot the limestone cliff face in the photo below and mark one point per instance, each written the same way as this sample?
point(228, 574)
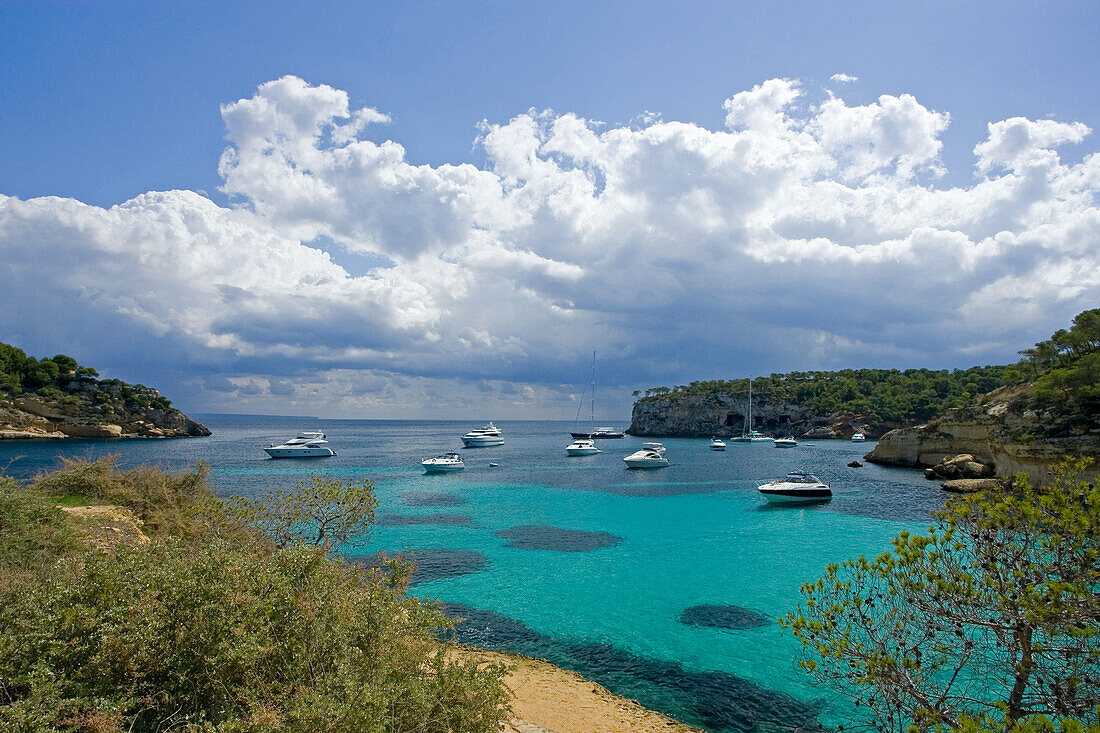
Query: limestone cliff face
point(96, 409)
point(994, 431)
point(724, 415)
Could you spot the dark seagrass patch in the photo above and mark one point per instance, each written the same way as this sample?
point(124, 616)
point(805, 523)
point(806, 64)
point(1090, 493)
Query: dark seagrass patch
point(723, 617)
point(535, 537)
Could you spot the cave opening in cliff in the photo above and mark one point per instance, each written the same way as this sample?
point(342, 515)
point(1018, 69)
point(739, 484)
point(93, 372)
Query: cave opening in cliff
point(732, 419)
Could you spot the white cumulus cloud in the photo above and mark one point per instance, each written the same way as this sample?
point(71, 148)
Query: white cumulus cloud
point(806, 234)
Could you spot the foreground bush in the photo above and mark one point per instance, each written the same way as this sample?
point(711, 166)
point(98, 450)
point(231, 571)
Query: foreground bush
point(223, 634)
point(991, 622)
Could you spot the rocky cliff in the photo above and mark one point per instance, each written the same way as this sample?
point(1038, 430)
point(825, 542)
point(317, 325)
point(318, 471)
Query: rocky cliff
point(996, 431)
point(724, 415)
point(92, 408)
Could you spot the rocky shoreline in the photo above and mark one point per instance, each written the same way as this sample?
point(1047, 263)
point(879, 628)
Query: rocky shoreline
point(104, 410)
point(995, 432)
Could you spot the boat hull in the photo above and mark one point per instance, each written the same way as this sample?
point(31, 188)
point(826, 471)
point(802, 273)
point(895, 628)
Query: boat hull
point(795, 496)
point(646, 462)
point(482, 441)
point(752, 437)
point(299, 452)
point(581, 451)
point(441, 468)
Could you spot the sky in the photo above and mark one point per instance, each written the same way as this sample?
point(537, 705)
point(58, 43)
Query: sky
point(441, 210)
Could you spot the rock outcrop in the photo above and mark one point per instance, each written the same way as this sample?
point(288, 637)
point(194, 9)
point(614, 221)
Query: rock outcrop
point(996, 432)
point(963, 466)
point(93, 408)
point(970, 485)
point(724, 415)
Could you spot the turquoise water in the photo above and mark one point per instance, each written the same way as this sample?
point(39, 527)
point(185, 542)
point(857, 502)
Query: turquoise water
point(582, 561)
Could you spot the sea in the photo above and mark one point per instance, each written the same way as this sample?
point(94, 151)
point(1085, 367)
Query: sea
point(662, 585)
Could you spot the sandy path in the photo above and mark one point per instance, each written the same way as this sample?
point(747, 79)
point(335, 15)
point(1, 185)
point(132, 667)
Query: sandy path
point(548, 699)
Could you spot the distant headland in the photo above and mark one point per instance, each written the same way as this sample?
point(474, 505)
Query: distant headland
point(56, 397)
point(1019, 417)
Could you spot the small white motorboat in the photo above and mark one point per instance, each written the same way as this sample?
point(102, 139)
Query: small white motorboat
point(582, 447)
point(797, 486)
point(482, 437)
point(858, 437)
point(652, 455)
point(444, 464)
point(788, 442)
point(306, 445)
point(717, 443)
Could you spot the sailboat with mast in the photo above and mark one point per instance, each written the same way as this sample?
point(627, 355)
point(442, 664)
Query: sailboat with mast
point(594, 432)
point(748, 435)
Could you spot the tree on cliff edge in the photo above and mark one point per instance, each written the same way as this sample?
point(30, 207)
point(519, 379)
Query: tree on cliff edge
point(1066, 368)
point(990, 622)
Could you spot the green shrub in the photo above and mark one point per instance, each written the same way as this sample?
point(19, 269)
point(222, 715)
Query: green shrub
point(989, 622)
point(50, 394)
point(212, 626)
point(168, 503)
point(33, 532)
point(174, 635)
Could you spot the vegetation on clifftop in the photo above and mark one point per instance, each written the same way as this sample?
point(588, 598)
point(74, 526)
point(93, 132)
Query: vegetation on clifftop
point(1062, 374)
point(61, 379)
point(214, 625)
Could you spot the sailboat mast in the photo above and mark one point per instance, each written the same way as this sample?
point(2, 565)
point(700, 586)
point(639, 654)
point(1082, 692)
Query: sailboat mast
point(593, 417)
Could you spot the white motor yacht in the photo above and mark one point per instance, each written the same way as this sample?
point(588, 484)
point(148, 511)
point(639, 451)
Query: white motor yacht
point(717, 443)
point(788, 442)
point(858, 437)
point(582, 447)
point(444, 463)
point(797, 486)
point(306, 445)
point(652, 455)
point(484, 436)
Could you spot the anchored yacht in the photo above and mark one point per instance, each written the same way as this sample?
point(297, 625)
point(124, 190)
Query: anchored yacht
point(798, 486)
point(582, 447)
point(306, 445)
point(443, 464)
point(482, 437)
point(652, 455)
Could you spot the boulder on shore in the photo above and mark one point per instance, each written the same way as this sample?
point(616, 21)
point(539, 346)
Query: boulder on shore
point(970, 485)
point(962, 466)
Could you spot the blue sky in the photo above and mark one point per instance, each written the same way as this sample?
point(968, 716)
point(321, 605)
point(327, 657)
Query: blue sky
point(695, 190)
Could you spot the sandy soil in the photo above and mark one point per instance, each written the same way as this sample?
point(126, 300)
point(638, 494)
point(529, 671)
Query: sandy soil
point(106, 527)
point(548, 699)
